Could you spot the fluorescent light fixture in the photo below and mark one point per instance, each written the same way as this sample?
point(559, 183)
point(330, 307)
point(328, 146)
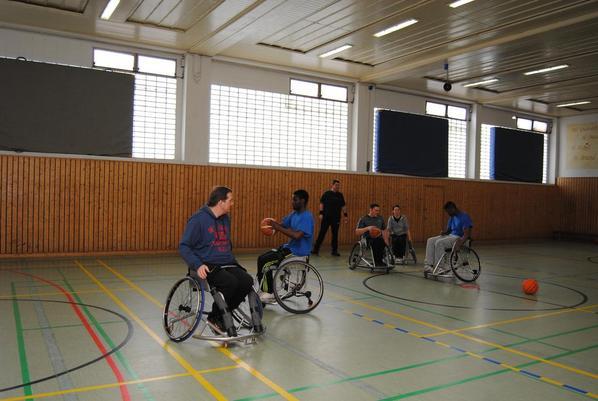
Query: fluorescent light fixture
point(396, 27)
point(548, 69)
point(459, 3)
point(337, 50)
point(488, 81)
point(573, 104)
point(110, 7)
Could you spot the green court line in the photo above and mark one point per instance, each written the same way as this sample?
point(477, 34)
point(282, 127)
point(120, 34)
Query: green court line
point(527, 340)
point(21, 343)
point(552, 336)
point(121, 358)
point(430, 362)
point(68, 325)
point(483, 376)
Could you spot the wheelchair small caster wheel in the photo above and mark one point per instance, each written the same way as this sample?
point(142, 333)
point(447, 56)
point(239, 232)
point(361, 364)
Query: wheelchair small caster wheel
point(425, 274)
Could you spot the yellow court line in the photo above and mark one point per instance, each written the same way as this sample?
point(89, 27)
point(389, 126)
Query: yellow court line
point(178, 357)
point(519, 319)
point(112, 385)
point(281, 391)
point(475, 339)
point(44, 294)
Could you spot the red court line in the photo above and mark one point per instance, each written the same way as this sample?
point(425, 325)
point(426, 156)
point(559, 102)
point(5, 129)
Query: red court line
point(117, 373)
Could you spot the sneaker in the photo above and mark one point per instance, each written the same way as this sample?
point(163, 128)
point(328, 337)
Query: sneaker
point(400, 261)
point(335, 253)
point(266, 297)
point(428, 268)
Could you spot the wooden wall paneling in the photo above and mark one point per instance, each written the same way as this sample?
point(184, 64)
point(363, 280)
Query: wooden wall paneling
point(60, 205)
point(3, 203)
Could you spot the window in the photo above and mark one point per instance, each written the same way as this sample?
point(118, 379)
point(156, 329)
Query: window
point(115, 60)
point(485, 154)
point(540, 126)
point(154, 109)
point(457, 117)
point(436, 109)
point(532, 125)
point(318, 90)
point(304, 88)
point(273, 129)
point(524, 123)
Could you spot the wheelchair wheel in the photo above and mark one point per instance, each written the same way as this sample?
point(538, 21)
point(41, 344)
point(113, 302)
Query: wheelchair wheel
point(388, 258)
point(298, 287)
point(413, 256)
point(183, 309)
point(355, 256)
point(465, 264)
point(242, 315)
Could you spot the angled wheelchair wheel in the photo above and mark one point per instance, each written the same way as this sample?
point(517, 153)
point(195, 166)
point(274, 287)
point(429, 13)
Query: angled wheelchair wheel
point(242, 315)
point(183, 309)
point(465, 264)
point(354, 256)
point(298, 287)
point(413, 255)
point(388, 258)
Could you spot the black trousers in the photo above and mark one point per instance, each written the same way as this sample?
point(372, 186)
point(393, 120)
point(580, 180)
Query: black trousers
point(377, 245)
point(233, 282)
point(399, 245)
point(266, 260)
point(333, 224)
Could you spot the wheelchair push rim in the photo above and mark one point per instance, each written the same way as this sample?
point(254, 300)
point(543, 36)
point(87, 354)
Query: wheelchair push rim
point(465, 264)
point(298, 287)
point(183, 309)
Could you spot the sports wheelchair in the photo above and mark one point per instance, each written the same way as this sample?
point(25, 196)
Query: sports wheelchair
point(463, 264)
point(298, 286)
point(185, 313)
point(362, 256)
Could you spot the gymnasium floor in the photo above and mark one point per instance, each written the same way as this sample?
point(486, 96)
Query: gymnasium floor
point(386, 337)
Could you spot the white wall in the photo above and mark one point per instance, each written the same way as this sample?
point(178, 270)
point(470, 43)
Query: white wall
point(565, 170)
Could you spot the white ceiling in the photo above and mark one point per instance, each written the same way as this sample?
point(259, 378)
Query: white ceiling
point(480, 40)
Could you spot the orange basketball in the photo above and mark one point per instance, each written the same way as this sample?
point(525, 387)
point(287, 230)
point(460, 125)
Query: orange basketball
point(530, 286)
point(375, 232)
point(266, 228)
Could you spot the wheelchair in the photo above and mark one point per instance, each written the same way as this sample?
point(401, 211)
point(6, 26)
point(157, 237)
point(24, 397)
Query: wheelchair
point(298, 286)
point(463, 264)
point(185, 314)
point(410, 256)
point(362, 256)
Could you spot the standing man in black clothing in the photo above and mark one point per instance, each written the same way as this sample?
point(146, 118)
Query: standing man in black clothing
point(332, 203)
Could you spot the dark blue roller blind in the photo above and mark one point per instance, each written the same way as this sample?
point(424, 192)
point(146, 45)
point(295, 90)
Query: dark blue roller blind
point(516, 155)
point(411, 144)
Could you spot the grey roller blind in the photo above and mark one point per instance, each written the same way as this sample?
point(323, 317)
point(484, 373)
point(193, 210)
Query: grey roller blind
point(61, 109)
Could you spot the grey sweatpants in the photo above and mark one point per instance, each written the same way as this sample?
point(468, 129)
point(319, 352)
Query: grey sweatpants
point(436, 246)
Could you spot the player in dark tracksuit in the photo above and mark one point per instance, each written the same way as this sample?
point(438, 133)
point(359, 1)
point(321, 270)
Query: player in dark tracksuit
point(332, 203)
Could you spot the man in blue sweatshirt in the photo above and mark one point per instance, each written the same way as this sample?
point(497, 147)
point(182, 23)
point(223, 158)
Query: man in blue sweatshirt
point(207, 249)
point(299, 227)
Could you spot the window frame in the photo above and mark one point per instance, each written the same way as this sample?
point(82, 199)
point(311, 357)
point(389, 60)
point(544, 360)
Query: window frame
point(548, 130)
point(135, 55)
point(319, 90)
point(446, 106)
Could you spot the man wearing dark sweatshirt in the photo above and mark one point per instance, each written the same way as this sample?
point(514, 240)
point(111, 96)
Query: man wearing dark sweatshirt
point(207, 249)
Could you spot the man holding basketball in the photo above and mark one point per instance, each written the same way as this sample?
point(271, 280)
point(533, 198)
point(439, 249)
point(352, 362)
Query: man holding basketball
point(207, 249)
point(371, 227)
point(299, 227)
